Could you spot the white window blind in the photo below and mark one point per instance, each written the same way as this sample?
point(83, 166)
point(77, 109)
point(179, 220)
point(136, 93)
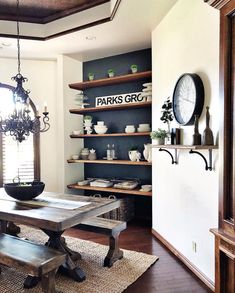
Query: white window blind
point(17, 159)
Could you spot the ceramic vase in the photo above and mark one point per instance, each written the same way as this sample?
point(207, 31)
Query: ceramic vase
point(134, 155)
point(147, 152)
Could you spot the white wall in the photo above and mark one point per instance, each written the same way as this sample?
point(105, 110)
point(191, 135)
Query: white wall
point(185, 196)
point(42, 85)
point(48, 81)
point(69, 71)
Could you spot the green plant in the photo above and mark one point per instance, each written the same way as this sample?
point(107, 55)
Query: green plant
point(134, 148)
point(167, 116)
point(110, 71)
point(134, 66)
point(87, 117)
point(160, 133)
point(91, 74)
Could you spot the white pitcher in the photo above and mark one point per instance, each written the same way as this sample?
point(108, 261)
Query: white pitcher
point(134, 155)
point(147, 153)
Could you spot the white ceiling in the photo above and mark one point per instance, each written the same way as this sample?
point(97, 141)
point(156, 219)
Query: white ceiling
point(130, 30)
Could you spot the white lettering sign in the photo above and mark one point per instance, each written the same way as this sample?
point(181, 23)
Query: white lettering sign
point(120, 99)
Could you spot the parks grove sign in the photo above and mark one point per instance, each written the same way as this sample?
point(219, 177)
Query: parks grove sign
point(120, 99)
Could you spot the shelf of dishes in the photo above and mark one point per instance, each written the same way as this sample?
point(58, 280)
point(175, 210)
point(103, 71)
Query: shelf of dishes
point(100, 128)
point(111, 80)
point(114, 162)
point(87, 155)
point(114, 186)
point(111, 108)
point(109, 134)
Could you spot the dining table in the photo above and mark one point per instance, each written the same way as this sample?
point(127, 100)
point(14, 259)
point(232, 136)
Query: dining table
point(53, 213)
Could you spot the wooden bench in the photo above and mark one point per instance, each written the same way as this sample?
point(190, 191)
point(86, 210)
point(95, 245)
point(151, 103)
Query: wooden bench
point(32, 258)
point(112, 228)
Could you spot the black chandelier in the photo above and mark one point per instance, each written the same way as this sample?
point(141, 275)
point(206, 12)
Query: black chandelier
point(20, 124)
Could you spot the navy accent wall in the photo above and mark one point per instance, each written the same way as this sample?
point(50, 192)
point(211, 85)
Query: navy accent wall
point(117, 120)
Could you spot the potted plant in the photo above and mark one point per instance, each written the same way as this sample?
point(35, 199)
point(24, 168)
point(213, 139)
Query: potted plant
point(110, 73)
point(167, 117)
point(91, 76)
point(87, 120)
point(134, 68)
point(134, 154)
point(159, 136)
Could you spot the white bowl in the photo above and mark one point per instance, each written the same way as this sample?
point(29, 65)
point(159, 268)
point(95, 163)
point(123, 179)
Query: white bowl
point(130, 130)
point(144, 125)
point(146, 187)
point(76, 132)
point(147, 84)
point(75, 157)
point(101, 130)
point(100, 123)
point(147, 90)
point(143, 129)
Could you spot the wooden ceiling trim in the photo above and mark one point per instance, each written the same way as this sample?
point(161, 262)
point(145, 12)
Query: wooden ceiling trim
point(74, 10)
point(45, 13)
point(33, 38)
point(217, 3)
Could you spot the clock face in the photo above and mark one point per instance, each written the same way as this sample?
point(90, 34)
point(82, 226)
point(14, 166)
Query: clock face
point(188, 98)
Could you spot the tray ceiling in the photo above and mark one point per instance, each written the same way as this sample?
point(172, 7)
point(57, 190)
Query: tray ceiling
point(44, 11)
point(46, 19)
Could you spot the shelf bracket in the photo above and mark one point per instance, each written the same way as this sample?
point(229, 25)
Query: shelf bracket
point(173, 161)
point(207, 166)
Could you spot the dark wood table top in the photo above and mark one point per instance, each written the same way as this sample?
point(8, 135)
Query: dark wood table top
point(53, 211)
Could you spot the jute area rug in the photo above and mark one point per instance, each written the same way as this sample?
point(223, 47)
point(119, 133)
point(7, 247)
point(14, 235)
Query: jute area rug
point(98, 279)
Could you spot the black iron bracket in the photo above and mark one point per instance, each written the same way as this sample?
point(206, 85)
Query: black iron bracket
point(207, 166)
point(173, 160)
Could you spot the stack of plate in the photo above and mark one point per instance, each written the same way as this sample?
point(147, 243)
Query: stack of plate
point(100, 127)
point(80, 97)
point(147, 91)
point(144, 127)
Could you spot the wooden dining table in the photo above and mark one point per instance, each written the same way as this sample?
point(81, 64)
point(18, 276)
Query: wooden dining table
point(53, 213)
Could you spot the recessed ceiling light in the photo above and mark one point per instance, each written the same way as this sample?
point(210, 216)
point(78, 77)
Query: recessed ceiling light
point(5, 44)
point(90, 38)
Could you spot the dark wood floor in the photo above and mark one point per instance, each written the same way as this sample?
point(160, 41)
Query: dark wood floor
point(166, 275)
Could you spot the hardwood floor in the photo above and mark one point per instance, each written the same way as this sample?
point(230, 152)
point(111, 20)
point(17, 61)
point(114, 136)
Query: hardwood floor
point(167, 275)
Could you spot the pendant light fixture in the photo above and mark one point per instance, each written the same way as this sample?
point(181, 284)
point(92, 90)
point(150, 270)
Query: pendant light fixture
point(21, 123)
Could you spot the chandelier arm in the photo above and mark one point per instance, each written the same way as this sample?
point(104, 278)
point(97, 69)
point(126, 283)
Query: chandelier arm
point(19, 124)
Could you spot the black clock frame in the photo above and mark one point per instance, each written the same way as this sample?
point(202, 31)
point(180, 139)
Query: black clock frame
point(199, 101)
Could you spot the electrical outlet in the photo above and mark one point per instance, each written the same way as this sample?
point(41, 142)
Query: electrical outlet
point(194, 246)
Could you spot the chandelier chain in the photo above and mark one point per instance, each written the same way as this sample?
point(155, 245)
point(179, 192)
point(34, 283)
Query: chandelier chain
point(18, 34)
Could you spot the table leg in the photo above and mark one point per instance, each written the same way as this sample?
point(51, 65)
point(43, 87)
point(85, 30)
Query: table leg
point(69, 268)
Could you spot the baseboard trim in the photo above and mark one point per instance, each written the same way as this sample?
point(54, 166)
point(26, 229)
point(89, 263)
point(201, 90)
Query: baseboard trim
point(184, 260)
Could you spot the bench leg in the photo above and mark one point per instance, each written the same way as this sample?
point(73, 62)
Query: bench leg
point(114, 252)
point(48, 282)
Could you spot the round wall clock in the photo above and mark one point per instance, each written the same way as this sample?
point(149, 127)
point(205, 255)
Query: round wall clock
point(188, 98)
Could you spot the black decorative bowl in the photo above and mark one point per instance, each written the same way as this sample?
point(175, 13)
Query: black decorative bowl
point(24, 191)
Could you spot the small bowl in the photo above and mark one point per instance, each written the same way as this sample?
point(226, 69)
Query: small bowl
point(100, 123)
point(24, 192)
point(101, 130)
point(146, 188)
point(129, 130)
point(75, 157)
point(76, 132)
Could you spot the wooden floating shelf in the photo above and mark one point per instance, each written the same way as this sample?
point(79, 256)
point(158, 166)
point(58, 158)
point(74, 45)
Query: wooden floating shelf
point(110, 189)
point(110, 134)
point(186, 147)
point(113, 162)
point(111, 80)
point(111, 108)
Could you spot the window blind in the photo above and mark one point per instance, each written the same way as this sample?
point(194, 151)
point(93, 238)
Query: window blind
point(17, 159)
